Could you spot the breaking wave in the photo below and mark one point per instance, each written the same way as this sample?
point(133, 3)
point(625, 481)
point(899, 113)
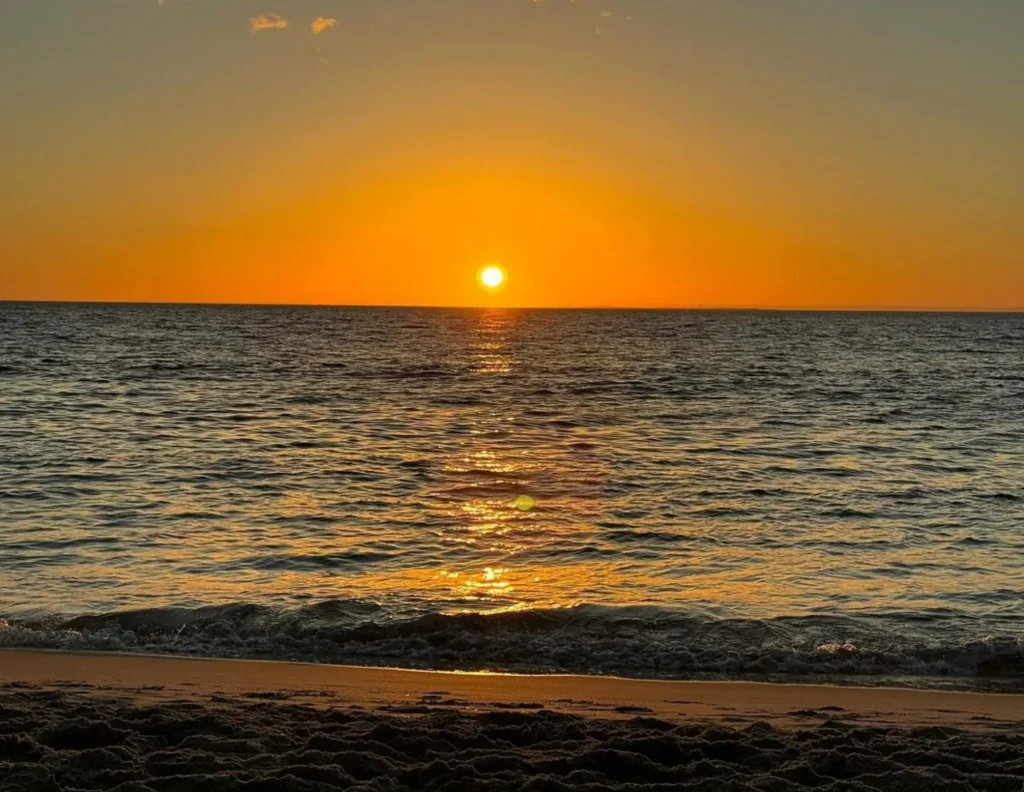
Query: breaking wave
point(630, 641)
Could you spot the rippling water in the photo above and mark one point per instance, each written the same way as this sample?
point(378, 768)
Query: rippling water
point(729, 492)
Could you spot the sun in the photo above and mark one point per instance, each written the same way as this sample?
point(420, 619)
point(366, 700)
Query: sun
point(492, 277)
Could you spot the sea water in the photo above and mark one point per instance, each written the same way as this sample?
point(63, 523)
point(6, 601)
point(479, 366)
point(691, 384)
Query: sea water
point(638, 492)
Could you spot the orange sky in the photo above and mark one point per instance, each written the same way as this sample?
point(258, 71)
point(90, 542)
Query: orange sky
point(604, 153)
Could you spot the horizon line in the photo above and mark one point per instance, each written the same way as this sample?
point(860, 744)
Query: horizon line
point(410, 306)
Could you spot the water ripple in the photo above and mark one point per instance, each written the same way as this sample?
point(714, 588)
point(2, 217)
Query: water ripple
point(746, 467)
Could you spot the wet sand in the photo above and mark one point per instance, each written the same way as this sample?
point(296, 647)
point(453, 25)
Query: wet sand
point(134, 723)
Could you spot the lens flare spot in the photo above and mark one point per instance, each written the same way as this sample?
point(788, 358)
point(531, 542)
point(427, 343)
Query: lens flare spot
point(525, 503)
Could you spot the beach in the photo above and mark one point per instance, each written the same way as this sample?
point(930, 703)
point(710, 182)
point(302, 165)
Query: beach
point(145, 723)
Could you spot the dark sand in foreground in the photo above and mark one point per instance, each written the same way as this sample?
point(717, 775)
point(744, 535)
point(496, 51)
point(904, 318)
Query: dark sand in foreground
point(75, 721)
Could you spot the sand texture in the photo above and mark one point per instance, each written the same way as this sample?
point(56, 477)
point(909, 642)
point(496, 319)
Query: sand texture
point(140, 724)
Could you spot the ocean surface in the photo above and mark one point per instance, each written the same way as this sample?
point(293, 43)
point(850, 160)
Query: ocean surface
point(778, 495)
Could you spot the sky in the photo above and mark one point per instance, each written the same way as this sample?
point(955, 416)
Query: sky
point(633, 153)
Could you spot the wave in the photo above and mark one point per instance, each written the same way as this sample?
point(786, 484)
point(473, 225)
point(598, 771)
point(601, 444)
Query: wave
point(638, 641)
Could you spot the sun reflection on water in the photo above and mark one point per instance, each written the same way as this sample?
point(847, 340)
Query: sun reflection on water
point(492, 350)
point(493, 501)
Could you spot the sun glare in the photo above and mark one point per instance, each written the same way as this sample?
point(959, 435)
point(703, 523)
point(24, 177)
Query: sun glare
point(492, 277)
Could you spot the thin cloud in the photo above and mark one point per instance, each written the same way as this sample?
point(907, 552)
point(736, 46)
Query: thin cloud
point(320, 24)
point(267, 22)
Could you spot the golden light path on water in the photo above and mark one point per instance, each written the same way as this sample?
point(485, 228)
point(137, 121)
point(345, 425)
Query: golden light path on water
point(497, 513)
point(501, 498)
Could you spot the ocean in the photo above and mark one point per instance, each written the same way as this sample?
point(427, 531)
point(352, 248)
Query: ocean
point(786, 496)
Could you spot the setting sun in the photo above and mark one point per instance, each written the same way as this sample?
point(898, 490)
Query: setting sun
point(492, 277)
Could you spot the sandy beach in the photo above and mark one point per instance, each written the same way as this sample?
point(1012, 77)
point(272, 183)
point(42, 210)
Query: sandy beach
point(134, 723)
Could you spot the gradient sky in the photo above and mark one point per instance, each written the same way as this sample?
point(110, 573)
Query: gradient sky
point(719, 153)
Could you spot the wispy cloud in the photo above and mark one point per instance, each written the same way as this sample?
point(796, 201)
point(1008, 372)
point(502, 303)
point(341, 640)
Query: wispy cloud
point(320, 24)
point(267, 22)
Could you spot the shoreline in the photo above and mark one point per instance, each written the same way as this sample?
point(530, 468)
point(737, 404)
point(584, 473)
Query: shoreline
point(131, 723)
point(162, 677)
point(627, 641)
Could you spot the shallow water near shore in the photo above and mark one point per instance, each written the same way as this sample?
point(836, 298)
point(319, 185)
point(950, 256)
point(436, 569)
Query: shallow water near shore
point(649, 493)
